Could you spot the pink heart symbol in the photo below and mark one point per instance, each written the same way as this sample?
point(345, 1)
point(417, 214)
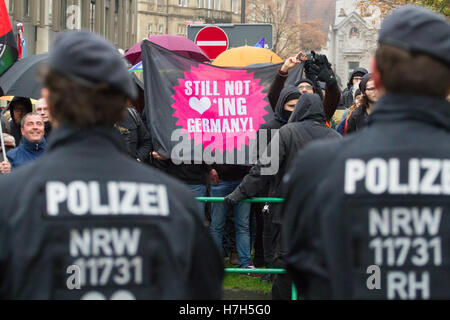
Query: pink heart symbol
point(201, 105)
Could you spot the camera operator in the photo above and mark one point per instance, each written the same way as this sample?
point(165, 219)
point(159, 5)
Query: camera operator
point(317, 68)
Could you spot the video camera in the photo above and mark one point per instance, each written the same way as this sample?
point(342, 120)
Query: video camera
point(306, 57)
point(314, 58)
point(316, 67)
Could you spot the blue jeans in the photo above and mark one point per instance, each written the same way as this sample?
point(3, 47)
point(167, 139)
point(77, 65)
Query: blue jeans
point(241, 221)
point(199, 190)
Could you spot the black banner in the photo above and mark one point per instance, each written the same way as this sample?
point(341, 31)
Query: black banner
point(202, 113)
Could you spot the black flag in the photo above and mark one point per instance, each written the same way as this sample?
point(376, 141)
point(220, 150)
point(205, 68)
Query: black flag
point(197, 112)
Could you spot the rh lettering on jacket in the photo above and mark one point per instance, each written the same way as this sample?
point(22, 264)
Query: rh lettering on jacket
point(111, 198)
point(414, 176)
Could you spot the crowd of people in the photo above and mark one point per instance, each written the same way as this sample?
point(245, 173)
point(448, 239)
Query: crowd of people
point(82, 143)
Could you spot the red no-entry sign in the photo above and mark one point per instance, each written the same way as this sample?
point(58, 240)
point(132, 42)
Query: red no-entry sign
point(212, 40)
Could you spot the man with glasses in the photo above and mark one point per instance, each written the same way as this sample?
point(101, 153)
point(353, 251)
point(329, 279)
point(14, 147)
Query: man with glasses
point(352, 86)
point(305, 86)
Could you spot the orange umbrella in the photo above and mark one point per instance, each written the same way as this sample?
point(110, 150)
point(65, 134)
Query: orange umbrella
point(245, 56)
point(9, 98)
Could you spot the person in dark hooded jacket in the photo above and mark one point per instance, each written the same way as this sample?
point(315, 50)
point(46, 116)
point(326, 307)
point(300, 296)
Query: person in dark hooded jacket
point(282, 112)
point(307, 123)
point(353, 84)
point(18, 108)
point(358, 118)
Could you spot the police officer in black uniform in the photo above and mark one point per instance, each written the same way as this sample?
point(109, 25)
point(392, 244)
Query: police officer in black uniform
point(88, 222)
point(368, 217)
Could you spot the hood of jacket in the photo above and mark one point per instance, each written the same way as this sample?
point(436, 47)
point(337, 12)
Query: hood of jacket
point(284, 94)
point(308, 107)
point(357, 70)
point(15, 101)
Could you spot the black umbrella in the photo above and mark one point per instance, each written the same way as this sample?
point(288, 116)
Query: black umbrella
point(22, 78)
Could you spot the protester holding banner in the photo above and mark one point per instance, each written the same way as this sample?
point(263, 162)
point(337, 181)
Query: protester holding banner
point(229, 177)
point(283, 110)
point(135, 135)
point(368, 217)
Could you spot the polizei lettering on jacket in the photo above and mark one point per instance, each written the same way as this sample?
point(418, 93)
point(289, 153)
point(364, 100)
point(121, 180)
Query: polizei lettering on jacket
point(112, 198)
point(415, 176)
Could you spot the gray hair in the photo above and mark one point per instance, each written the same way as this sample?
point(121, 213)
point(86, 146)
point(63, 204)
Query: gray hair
point(22, 123)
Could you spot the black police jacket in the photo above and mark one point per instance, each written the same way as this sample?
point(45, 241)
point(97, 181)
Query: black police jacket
point(85, 221)
point(368, 217)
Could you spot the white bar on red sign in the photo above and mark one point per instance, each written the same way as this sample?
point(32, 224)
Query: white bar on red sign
point(211, 43)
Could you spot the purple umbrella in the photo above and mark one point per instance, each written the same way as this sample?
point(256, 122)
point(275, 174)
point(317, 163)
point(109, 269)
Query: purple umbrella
point(178, 44)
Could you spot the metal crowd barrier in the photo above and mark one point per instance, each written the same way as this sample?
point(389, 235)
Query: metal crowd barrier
point(294, 293)
point(252, 200)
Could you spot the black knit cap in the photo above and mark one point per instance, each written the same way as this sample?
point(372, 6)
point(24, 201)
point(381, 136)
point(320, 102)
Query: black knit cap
point(89, 60)
point(292, 96)
point(304, 80)
point(417, 30)
point(359, 74)
point(363, 83)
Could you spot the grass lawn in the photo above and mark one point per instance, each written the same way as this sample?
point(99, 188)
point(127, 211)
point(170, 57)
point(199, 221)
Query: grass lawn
point(237, 281)
point(244, 282)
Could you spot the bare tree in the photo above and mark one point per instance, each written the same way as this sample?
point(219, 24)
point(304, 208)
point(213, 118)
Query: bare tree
point(284, 15)
point(386, 6)
point(311, 36)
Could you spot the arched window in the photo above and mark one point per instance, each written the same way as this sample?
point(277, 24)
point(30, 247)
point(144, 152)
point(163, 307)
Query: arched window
point(354, 33)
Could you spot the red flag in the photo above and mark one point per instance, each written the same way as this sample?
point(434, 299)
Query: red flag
point(20, 40)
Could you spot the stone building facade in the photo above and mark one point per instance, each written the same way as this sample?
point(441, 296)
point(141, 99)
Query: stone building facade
point(173, 16)
point(123, 22)
point(352, 40)
point(43, 19)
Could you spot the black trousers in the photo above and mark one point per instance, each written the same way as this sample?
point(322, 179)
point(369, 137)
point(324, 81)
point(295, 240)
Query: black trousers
point(282, 285)
point(256, 227)
point(267, 239)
